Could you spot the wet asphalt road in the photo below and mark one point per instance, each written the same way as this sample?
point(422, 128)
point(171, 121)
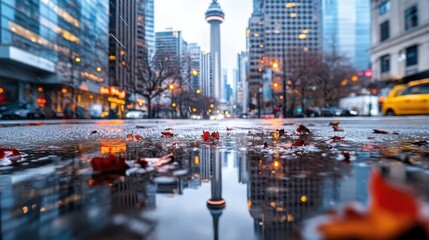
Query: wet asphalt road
point(69, 146)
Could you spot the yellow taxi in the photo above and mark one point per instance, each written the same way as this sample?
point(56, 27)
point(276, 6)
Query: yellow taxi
point(408, 99)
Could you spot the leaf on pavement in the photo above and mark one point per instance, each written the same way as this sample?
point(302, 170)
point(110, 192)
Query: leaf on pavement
point(346, 155)
point(336, 138)
point(337, 129)
point(229, 129)
point(93, 132)
point(300, 143)
point(168, 129)
point(370, 138)
point(215, 135)
point(167, 134)
point(266, 145)
point(138, 137)
point(334, 123)
point(302, 129)
point(12, 152)
point(206, 135)
point(281, 132)
point(376, 131)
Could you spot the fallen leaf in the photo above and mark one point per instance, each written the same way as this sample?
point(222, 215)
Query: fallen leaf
point(5, 152)
point(393, 212)
point(281, 132)
point(266, 145)
point(109, 163)
point(206, 135)
point(215, 135)
point(395, 133)
point(369, 138)
point(229, 129)
point(93, 132)
point(130, 136)
point(337, 129)
point(138, 137)
point(167, 134)
point(336, 138)
point(346, 155)
point(376, 131)
point(303, 129)
point(168, 129)
point(334, 123)
point(299, 143)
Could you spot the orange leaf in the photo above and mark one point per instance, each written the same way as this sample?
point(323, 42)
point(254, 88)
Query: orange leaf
point(391, 198)
point(334, 123)
point(167, 134)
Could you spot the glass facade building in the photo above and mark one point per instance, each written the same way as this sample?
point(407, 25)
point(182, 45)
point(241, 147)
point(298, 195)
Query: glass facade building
point(54, 51)
point(346, 30)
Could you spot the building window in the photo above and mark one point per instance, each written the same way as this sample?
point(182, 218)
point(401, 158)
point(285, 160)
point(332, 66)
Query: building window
point(384, 31)
point(385, 63)
point(411, 17)
point(384, 7)
point(411, 55)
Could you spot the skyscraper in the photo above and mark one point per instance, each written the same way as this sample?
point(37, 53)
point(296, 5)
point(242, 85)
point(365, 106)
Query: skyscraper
point(242, 83)
point(149, 18)
point(206, 74)
point(215, 16)
point(51, 58)
point(171, 47)
point(280, 32)
point(346, 30)
point(195, 61)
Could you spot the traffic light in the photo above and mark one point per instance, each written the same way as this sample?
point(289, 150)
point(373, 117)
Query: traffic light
point(374, 91)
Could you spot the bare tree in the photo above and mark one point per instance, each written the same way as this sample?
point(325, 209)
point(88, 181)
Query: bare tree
point(154, 77)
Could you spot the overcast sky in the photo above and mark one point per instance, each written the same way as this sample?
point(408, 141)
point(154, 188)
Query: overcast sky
point(188, 16)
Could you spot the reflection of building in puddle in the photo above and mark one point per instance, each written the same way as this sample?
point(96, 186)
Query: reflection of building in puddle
point(279, 196)
point(44, 203)
point(112, 146)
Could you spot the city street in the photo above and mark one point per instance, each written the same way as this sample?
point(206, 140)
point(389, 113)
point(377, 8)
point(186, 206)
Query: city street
point(271, 181)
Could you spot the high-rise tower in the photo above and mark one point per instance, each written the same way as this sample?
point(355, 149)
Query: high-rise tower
point(215, 16)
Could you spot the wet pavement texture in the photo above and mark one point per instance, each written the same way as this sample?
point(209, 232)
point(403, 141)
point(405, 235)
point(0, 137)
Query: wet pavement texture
point(271, 183)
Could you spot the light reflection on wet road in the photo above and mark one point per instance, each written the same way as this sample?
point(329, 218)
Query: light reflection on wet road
point(268, 190)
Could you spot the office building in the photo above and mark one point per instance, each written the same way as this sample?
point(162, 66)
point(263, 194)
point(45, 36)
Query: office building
point(149, 18)
point(346, 30)
point(54, 53)
point(171, 48)
point(195, 65)
point(207, 86)
point(242, 83)
point(399, 40)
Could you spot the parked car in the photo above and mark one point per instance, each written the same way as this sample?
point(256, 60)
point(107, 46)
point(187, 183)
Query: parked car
point(195, 117)
point(21, 110)
point(408, 99)
point(136, 114)
point(336, 112)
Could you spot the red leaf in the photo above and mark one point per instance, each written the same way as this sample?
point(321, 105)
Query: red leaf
point(138, 137)
point(337, 129)
point(336, 138)
point(299, 143)
point(168, 129)
point(391, 198)
point(346, 156)
point(167, 134)
point(376, 131)
point(302, 129)
point(11, 152)
point(206, 135)
point(215, 135)
point(109, 163)
point(93, 132)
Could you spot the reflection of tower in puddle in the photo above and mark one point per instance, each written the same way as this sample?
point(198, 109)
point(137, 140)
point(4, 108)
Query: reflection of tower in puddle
point(280, 196)
point(216, 203)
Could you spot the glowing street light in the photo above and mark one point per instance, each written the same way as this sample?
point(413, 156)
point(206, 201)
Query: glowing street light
point(173, 104)
point(275, 85)
point(198, 91)
point(171, 86)
point(354, 78)
point(98, 69)
point(77, 59)
point(212, 105)
point(194, 72)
